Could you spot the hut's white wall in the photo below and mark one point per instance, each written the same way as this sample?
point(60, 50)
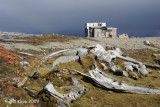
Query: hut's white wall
point(114, 31)
point(99, 30)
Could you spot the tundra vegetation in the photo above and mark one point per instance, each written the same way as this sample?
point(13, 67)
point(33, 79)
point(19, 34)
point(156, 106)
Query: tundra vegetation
point(80, 77)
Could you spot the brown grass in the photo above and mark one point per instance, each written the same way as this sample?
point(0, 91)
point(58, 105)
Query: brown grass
point(143, 55)
point(37, 40)
point(97, 97)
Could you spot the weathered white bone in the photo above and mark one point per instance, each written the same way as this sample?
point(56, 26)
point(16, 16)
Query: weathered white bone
point(110, 56)
point(139, 67)
point(153, 66)
point(103, 80)
point(21, 82)
point(69, 52)
point(77, 90)
point(55, 54)
point(50, 89)
point(115, 69)
point(142, 69)
point(24, 53)
point(82, 52)
point(104, 66)
point(97, 50)
point(24, 65)
point(107, 57)
point(129, 66)
point(125, 73)
point(35, 71)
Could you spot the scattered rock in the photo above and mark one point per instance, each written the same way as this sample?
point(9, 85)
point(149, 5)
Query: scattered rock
point(24, 65)
point(156, 55)
point(21, 82)
point(10, 89)
point(21, 57)
point(33, 95)
point(147, 42)
point(11, 100)
point(158, 61)
point(35, 73)
point(110, 47)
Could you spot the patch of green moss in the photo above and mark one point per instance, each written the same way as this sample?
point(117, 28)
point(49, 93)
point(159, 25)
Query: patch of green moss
point(5, 69)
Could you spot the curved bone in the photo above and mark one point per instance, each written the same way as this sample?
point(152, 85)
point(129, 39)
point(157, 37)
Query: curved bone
point(153, 66)
point(103, 80)
point(77, 90)
point(24, 53)
point(69, 52)
point(55, 54)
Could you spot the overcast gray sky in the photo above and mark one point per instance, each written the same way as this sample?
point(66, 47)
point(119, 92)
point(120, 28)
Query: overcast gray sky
point(135, 17)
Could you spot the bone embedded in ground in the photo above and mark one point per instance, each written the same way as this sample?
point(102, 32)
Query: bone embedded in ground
point(77, 90)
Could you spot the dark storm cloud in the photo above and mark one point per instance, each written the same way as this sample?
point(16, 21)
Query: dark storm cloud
point(135, 17)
